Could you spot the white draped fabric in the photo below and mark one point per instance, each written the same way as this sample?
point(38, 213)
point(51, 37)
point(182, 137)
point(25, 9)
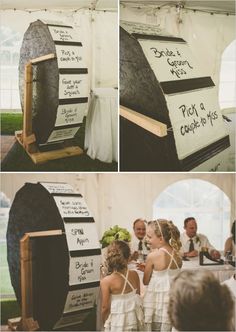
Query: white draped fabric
point(101, 125)
point(230, 113)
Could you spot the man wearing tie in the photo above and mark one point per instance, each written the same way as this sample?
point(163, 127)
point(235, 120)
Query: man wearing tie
point(138, 243)
point(192, 242)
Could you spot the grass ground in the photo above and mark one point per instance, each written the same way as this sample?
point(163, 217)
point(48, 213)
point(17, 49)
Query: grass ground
point(10, 122)
point(18, 160)
point(5, 283)
point(9, 309)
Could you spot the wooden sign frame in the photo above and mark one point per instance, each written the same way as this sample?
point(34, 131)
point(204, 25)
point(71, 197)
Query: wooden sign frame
point(26, 321)
point(26, 137)
point(153, 126)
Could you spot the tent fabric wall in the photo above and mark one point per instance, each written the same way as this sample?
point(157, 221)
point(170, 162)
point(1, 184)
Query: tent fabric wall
point(97, 31)
point(207, 35)
point(120, 198)
point(105, 41)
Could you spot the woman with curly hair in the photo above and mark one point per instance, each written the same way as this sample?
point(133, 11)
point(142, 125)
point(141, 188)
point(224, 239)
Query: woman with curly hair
point(163, 263)
point(121, 303)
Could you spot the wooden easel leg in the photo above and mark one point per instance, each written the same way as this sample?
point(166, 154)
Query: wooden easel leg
point(19, 324)
point(28, 89)
point(27, 322)
point(26, 137)
point(14, 324)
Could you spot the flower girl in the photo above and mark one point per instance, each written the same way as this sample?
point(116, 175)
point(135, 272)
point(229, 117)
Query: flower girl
point(163, 263)
point(121, 303)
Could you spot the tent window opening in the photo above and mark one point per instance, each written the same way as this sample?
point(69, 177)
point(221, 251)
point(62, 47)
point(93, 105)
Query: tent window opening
point(227, 89)
point(207, 203)
point(9, 53)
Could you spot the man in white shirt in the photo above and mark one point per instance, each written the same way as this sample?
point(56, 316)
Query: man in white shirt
point(138, 242)
point(192, 242)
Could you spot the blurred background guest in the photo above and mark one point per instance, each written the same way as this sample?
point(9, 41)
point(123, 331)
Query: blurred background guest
point(231, 284)
point(138, 241)
point(198, 302)
point(192, 242)
point(230, 242)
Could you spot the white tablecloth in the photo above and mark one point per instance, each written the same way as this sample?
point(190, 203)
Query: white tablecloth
point(102, 125)
point(222, 272)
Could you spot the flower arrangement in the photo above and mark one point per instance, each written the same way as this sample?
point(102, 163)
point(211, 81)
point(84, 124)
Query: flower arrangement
point(198, 240)
point(115, 233)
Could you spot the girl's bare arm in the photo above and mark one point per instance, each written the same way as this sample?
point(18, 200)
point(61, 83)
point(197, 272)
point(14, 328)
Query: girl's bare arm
point(106, 299)
point(148, 270)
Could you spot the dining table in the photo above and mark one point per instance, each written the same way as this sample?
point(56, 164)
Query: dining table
point(221, 271)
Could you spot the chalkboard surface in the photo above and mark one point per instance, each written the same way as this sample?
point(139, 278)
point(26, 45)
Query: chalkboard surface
point(34, 209)
point(139, 88)
point(66, 268)
point(38, 42)
point(60, 85)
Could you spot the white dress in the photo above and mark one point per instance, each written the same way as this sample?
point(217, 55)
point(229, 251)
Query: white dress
point(156, 298)
point(126, 312)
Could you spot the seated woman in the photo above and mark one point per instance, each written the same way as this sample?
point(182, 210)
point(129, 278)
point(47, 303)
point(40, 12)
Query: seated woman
point(121, 303)
point(198, 302)
point(230, 242)
point(162, 264)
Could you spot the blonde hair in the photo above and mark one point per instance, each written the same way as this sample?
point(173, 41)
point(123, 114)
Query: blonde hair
point(167, 230)
point(118, 254)
point(198, 302)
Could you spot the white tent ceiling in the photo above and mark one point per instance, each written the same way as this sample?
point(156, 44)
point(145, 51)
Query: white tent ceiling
point(222, 6)
point(59, 4)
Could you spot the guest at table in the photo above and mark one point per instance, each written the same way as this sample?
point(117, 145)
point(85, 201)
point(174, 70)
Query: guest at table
point(163, 263)
point(138, 242)
point(198, 302)
point(121, 303)
point(192, 242)
point(230, 242)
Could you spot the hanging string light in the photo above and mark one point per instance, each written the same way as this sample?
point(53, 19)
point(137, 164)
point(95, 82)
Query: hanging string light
point(179, 7)
point(180, 4)
point(31, 11)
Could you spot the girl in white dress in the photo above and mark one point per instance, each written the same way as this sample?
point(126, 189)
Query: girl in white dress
point(163, 263)
point(121, 303)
